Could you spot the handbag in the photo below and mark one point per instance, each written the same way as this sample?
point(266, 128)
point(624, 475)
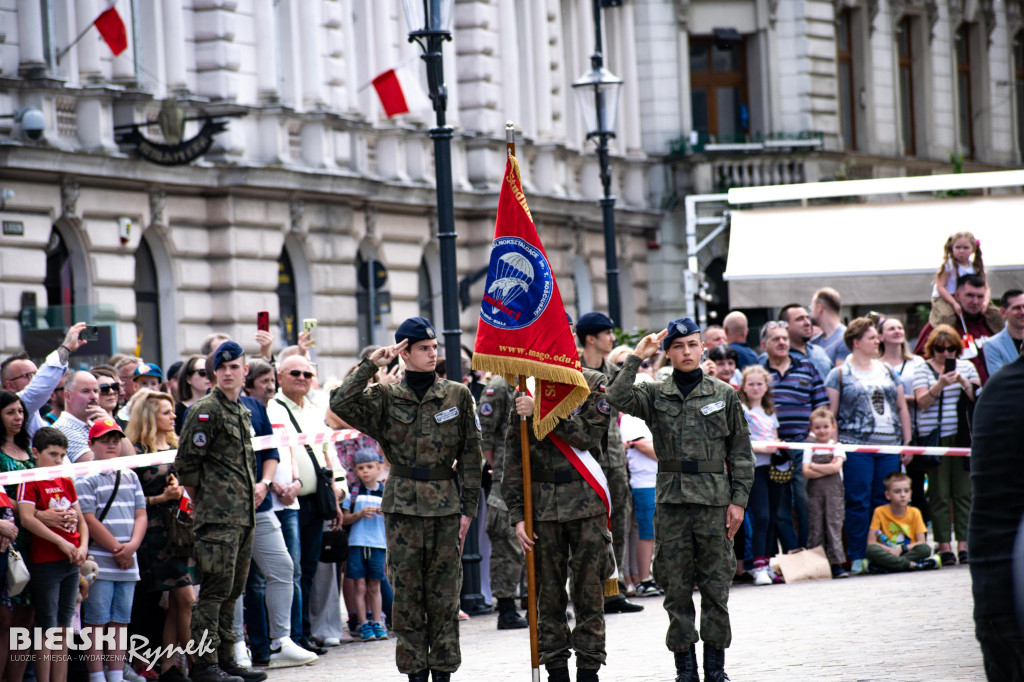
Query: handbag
point(325, 502)
point(775, 473)
point(334, 546)
point(17, 572)
point(933, 439)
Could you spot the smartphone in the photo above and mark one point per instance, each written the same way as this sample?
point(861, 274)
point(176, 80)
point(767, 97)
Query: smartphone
point(263, 321)
point(950, 364)
point(309, 325)
point(90, 333)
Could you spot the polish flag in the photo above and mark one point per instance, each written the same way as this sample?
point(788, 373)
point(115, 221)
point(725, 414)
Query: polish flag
point(111, 27)
point(400, 91)
point(185, 503)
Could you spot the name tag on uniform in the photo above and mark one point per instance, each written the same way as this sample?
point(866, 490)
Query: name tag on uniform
point(712, 408)
point(447, 415)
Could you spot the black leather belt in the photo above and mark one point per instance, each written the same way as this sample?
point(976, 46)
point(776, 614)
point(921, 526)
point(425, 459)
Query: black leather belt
point(563, 476)
point(422, 473)
point(691, 467)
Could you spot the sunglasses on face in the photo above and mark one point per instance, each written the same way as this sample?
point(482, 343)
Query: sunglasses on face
point(109, 388)
point(946, 349)
point(298, 373)
point(200, 372)
point(643, 365)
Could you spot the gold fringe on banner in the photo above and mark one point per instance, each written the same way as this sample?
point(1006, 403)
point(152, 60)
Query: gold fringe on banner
point(511, 368)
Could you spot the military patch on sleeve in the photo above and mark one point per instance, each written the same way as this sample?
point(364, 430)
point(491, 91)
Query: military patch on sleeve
point(199, 439)
point(489, 391)
point(487, 409)
point(204, 417)
point(712, 408)
point(603, 407)
point(447, 415)
point(477, 419)
point(601, 388)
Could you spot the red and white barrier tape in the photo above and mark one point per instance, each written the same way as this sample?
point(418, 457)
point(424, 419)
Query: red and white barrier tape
point(869, 449)
point(77, 470)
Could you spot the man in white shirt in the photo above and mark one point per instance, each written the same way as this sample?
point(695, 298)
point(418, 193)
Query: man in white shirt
point(81, 409)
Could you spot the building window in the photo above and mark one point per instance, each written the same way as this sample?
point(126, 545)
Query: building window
point(847, 98)
point(1018, 89)
point(147, 303)
point(59, 282)
point(905, 64)
point(425, 295)
point(963, 91)
point(287, 300)
point(718, 88)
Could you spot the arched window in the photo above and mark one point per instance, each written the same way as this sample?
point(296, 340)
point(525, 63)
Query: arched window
point(147, 303)
point(287, 300)
point(425, 292)
point(59, 282)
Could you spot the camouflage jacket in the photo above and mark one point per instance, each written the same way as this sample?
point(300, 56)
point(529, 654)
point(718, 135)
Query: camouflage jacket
point(216, 459)
point(707, 425)
point(438, 431)
point(615, 451)
point(497, 401)
point(584, 430)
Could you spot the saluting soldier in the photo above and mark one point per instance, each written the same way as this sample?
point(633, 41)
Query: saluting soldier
point(570, 527)
point(705, 470)
point(217, 466)
point(596, 335)
point(428, 431)
point(496, 405)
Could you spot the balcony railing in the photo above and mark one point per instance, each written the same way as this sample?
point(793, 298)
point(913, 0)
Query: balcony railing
point(755, 143)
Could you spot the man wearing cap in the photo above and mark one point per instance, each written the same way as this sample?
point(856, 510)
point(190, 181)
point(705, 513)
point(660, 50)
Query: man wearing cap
point(596, 335)
point(428, 431)
point(570, 531)
point(705, 470)
point(217, 466)
point(496, 404)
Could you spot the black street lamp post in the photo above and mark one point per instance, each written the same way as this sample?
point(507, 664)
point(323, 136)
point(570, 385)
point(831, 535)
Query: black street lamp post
point(598, 97)
point(429, 22)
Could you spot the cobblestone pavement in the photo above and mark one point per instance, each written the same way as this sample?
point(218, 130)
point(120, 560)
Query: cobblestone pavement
point(897, 628)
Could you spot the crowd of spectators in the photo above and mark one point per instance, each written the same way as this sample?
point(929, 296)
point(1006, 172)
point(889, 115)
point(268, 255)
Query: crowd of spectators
point(812, 379)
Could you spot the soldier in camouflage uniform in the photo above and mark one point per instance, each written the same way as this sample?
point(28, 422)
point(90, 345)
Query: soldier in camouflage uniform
point(571, 531)
point(427, 429)
point(506, 556)
point(217, 466)
point(705, 470)
point(596, 335)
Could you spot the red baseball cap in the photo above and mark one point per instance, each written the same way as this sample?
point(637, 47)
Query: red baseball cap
point(102, 428)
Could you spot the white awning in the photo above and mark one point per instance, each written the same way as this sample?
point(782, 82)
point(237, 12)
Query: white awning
point(871, 253)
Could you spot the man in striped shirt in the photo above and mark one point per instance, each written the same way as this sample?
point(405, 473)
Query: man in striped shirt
point(115, 511)
point(797, 390)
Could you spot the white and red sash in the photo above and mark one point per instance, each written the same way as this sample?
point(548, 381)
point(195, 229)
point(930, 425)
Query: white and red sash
point(589, 469)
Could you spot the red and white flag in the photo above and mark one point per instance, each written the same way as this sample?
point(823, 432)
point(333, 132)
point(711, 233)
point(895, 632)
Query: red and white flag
point(399, 91)
point(111, 27)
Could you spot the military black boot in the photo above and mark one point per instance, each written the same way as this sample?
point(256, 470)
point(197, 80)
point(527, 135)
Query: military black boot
point(559, 675)
point(440, 676)
point(686, 666)
point(421, 676)
point(229, 666)
point(714, 664)
point(586, 675)
point(508, 618)
point(210, 672)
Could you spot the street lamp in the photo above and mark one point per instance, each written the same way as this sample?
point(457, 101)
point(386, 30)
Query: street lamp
point(429, 22)
point(598, 93)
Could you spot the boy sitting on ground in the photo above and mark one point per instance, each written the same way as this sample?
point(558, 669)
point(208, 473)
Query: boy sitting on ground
point(896, 539)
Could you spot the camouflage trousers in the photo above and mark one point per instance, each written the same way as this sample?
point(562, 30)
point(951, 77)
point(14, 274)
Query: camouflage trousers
point(425, 569)
point(691, 546)
point(622, 517)
point(580, 545)
point(506, 555)
point(222, 555)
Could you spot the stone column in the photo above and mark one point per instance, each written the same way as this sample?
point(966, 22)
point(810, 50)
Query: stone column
point(629, 112)
point(31, 59)
point(124, 64)
point(266, 50)
point(174, 46)
point(312, 68)
point(541, 68)
point(88, 47)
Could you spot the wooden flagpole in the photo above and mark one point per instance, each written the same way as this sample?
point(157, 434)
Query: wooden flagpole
point(524, 440)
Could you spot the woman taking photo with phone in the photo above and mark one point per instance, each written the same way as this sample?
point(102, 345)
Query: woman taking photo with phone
point(940, 383)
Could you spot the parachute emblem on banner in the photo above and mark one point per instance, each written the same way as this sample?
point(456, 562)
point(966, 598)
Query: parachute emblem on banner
point(514, 276)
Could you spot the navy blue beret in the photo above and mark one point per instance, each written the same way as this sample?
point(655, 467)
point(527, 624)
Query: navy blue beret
point(415, 329)
point(593, 324)
point(229, 350)
point(684, 326)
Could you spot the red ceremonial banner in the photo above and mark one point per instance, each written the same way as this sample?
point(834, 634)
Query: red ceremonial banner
point(111, 27)
point(523, 328)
